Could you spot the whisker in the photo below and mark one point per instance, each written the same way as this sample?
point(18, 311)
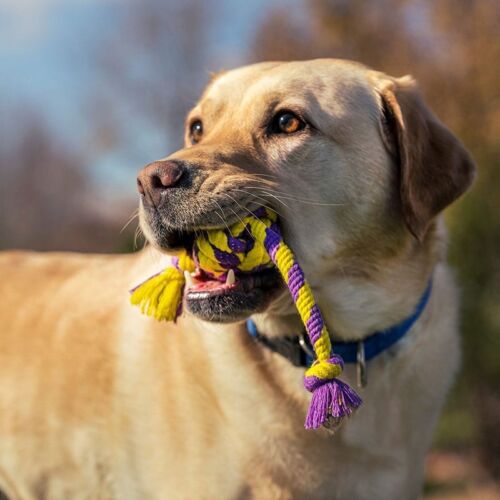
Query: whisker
point(240, 206)
point(287, 196)
point(221, 215)
point(137, 234)
point(264, 193)
point(252, 180)
point(251, 213)
point(135, 214)
point(263, 175)
point(262, 199)
point(193, 223)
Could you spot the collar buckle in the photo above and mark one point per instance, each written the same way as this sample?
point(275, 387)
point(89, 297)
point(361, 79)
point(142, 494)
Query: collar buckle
point(361, 371)
point(304, 344)
point(289, 349)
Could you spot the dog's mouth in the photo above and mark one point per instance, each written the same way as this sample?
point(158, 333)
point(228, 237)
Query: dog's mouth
point(231, 298)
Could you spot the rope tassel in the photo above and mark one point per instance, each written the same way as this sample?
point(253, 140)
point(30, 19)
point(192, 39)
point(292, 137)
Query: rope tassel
point(251, 244)
point(332, 400)
point(160, 296)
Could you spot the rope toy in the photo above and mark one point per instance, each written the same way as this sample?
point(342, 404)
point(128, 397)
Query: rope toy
point(253, 244)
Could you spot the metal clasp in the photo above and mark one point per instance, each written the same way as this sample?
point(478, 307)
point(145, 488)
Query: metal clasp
point(361, 372)
point(305, 347)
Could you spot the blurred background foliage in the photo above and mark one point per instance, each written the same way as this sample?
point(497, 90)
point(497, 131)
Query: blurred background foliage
point(69, 184)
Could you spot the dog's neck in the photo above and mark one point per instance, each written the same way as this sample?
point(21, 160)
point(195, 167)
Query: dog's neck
point(356, 304)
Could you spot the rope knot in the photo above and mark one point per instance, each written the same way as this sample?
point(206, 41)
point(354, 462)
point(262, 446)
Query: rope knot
point(238, 247)
point(322, 372)
point(332, 400)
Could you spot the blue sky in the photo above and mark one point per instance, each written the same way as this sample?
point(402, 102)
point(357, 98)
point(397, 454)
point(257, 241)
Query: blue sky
point(46, 60)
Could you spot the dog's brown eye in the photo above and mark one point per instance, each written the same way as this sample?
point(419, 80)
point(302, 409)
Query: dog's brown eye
point(286, 122)
point(196, 131)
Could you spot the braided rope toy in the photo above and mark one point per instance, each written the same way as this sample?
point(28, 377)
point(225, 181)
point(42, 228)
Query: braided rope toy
point(253, 244)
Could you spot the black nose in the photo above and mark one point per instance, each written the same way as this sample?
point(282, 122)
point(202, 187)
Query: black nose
point(154, 179)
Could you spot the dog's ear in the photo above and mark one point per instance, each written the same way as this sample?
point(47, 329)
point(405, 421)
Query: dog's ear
point(435, 169)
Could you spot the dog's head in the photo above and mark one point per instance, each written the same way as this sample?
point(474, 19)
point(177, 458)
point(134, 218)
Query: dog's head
point(351, 160)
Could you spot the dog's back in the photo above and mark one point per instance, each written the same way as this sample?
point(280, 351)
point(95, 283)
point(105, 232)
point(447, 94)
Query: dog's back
point(55, 336)
point(89, 400)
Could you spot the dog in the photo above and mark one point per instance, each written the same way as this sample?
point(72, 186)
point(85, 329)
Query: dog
point(99, 401)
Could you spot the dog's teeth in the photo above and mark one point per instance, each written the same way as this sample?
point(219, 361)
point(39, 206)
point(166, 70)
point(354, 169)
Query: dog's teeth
point(189, 279)
point(231, 278)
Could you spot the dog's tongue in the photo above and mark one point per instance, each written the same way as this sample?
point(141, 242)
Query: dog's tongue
point(203, 281)
point(201, 285)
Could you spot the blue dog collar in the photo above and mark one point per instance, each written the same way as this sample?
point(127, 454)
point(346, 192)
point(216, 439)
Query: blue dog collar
point(300, 353)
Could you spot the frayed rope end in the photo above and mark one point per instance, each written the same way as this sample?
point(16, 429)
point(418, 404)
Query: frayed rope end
point(161, 295)
point(332, 400)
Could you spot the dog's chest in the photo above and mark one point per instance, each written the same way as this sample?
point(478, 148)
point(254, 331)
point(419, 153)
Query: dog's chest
point(380, 449)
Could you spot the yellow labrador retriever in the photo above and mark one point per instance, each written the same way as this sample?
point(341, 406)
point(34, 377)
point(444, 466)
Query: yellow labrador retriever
point(98, 401)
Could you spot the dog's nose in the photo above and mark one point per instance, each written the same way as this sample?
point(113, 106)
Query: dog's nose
point(154, 179)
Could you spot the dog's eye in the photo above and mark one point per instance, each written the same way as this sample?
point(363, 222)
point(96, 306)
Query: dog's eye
point(196, 131)
point(286, 122)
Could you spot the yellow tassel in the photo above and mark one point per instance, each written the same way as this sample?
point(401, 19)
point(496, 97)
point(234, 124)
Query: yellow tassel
point(160, 296)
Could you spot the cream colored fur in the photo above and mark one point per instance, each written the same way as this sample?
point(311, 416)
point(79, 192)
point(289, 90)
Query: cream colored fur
point(98, 401)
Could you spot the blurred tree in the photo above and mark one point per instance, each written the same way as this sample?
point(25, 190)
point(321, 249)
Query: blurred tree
point(46, 202)
point(452, 47)
point(153, 69)
point(149, 72)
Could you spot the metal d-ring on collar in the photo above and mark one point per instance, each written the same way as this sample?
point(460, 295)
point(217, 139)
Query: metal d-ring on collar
point(298, 350)
point(361, 370)
point(306, 346)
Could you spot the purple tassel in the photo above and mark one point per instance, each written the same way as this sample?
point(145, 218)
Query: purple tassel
point(332, 401)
